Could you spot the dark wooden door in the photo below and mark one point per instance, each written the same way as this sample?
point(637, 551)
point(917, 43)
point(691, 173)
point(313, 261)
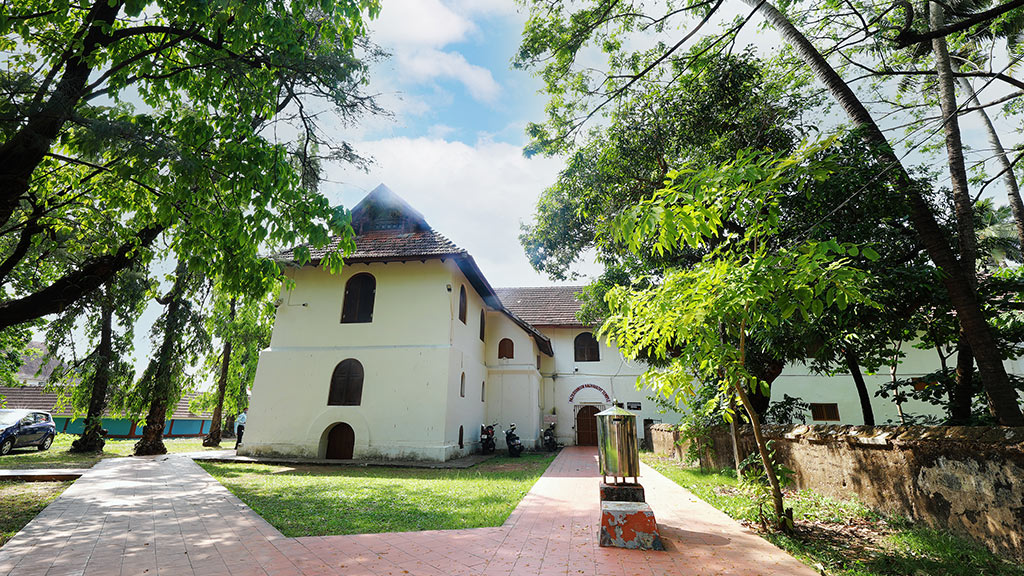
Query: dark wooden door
point(586, 426)
point(340, 441)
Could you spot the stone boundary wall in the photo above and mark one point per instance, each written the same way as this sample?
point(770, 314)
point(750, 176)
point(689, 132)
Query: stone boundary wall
point(969, 480)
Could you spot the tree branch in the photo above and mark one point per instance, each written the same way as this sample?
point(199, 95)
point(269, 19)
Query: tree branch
point(76, 284)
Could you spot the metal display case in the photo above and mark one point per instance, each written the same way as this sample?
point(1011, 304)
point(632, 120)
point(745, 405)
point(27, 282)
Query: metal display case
point(617, 447)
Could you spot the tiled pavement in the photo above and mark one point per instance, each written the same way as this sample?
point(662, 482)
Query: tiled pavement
point(166, 516)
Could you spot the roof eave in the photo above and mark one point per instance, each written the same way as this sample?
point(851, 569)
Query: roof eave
point(483, 287)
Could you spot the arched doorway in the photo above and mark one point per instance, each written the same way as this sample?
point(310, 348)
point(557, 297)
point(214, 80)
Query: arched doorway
point(340, 441)
point(586, 426)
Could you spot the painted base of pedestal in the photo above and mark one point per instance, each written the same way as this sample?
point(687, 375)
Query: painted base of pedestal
point(629, 525)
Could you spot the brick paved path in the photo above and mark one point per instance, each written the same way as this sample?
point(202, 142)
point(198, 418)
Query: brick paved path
point(167, 517)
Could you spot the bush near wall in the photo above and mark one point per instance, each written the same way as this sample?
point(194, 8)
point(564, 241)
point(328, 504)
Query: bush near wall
point(969, 480)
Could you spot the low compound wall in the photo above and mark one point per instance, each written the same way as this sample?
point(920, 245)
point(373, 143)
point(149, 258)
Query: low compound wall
point(967, 480)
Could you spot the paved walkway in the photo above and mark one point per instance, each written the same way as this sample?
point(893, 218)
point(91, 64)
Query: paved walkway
point(165, 516)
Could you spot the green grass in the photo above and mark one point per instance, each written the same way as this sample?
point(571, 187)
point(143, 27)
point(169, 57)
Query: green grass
point(845, 537)
point(322, 500)
point(22, 501)
point(59, 457)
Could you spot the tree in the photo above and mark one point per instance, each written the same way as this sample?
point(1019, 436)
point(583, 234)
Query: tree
point(164, 116)
point(700, 319)
point(555, 34)
point(178, 338)
point(244, 327)
point(87, 382)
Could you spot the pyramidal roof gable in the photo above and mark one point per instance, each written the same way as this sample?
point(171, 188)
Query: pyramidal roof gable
point(388, 229)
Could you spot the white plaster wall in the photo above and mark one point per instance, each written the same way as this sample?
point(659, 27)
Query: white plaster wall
point(406, 353)
point(513, 384)
point(467, 356)
point(797, 380)
point(613, 374)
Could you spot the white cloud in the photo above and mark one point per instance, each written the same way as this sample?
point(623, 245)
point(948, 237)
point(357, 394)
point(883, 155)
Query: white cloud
point(417, 32)
point(419, 23)
point(428, 64)
point(476, 195)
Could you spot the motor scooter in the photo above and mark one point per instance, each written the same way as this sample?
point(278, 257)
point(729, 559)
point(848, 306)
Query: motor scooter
point(548, 438)
point(487, 438)
point(515, 447)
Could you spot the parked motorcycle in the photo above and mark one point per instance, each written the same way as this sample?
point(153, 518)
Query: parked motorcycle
point(515, 447)
point(487, 438)
point(548, 438)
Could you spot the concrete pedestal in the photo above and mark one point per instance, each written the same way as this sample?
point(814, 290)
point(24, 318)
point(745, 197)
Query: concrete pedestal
point(629, 525)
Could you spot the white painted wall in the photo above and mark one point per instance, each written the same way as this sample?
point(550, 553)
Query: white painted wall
point(798, 381)
point(612, 374)
point(513, 384)
point(406, 353)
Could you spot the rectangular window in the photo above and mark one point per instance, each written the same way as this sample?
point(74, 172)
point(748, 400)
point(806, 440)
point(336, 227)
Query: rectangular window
point(825, 412)
point(538, 362)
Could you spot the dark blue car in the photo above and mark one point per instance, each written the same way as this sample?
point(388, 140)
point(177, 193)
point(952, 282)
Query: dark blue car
point(20, 428)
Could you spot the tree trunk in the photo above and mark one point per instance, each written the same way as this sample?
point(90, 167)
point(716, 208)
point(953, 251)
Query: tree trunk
point(962, 202)
point(1002, 398)
point(783, 516)
point(853, 364)
point(734, 427)
point(213, 438)
point(963, 388)
point(161, 371)
point(93, 435)
point(1002, 160)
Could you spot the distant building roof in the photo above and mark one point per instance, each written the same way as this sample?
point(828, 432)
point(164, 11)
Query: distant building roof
point(544, 305)
point(36, 398)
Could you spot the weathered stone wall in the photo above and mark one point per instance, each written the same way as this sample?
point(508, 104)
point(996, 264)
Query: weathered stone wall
point(968, 480)
point(666, 441)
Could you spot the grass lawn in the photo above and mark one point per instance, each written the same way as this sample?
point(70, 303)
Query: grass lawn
point(845, 538)
point(22, 501)
point(322, 500)
point(59, 457)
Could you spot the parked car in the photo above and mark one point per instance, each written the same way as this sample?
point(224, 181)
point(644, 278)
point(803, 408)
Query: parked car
point(20, 428)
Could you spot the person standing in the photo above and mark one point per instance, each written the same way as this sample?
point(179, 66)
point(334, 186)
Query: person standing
point(240, 427)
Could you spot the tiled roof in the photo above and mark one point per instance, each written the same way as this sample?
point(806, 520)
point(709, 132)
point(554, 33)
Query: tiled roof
point(380, 245)
point(543, 306)
point(387, 228)
point(36, 398)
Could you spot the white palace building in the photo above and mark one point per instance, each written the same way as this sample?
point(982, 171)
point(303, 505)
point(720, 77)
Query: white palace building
point(409, 349)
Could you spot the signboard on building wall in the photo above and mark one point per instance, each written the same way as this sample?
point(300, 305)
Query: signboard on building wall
point(572, 395)
point(632, 406)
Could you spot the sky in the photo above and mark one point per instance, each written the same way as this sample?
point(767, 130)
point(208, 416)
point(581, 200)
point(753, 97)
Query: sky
point(453, 148)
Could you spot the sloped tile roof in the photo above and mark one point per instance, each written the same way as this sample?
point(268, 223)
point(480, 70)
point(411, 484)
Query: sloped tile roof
point(32, 367)
point(543, 305)
point(36, 398)
point(381, 245)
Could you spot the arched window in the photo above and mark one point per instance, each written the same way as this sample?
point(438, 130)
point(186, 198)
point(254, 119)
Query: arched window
point(461, 443)
point(462, 304)
point(462, 386)
point(506, 349)
point(483, 391)
point(346, 384)
point(481, 325)
point(358, 304)
point(586, 348)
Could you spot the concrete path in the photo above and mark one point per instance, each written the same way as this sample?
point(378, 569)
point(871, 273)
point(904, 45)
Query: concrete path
point(165, 516)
